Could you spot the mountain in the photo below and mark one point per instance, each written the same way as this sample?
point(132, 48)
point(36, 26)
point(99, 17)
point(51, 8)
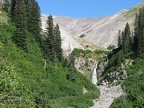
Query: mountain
point(99, 31)
point(28, 79)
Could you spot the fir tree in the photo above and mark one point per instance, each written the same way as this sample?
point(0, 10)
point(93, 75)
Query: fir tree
point(119, 39)
point(139, 42)
point(135, 45)
point(126, 40)
point(58, 48)
point(118, 60)
point(19, 18)
point(34, 21)
point(28, 13)
point(6, 5)
point(49, 43)
point(71, 69)
point(13, 10)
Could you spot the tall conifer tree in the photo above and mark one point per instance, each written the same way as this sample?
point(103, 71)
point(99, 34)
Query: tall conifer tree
point(13, 10)
point(135, 46)
point(19, 18)
point(71, 69)
point(140, 34)
point(58, 48)
point(126, 39)
point(28, 13)
point(49, 43)
point(119, 39)
point(34, 21)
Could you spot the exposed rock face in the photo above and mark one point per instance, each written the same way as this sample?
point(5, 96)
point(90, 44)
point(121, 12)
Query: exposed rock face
point(85, 66)
point(68, 40)
point(113, 75)
point(100, 31)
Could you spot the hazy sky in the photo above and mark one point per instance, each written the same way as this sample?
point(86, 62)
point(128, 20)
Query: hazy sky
point(85, 8)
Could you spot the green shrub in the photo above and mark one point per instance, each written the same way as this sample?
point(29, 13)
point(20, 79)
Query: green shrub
point(83, 35)
point(111, 47)
point(133, 86)
point(91, 95)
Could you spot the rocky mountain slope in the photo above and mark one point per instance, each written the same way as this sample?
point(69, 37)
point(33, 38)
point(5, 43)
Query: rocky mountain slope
point(99, 31)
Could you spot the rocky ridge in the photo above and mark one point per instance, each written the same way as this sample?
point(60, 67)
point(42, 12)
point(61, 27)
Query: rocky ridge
point(99, 31)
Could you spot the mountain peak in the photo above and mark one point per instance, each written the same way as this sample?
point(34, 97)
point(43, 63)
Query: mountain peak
point(99, 31)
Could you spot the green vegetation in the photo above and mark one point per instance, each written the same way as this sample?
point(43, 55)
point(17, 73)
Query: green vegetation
point(132, 11)
point(51, 45)
point(19, 18)
point(88, 45)
point(3, 16)
point(97, 54)
point(117, 57)
point(133, 87)
point(130, 47)
point(26, 17)
point(111, 47)
point(83, 35)
point(29, 80)
point(88, 59)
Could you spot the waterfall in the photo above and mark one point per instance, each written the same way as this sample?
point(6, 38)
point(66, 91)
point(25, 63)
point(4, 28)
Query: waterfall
point(94, 75)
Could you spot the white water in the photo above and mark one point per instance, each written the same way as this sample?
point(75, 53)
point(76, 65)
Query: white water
point(94, 76)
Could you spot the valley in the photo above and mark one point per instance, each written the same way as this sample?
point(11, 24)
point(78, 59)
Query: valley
point(94, 34)
point(49, 61)
point(101, 32)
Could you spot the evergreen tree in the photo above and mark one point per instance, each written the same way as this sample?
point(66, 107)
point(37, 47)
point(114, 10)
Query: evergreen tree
point(34, 21)
point(49, 43)
point(118, 60)
point(28, 13)
point(139, 37)
point(71, 69)
point(119, 39)
point(126, 40)
point(13, 10)
point(58, 48)
point(6, 5)
point(19, 18)
point(135, 45)
point(46, 48)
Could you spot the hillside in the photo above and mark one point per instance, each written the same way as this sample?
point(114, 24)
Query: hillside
point(99, 31)
point(34, 73)
point(28, 80)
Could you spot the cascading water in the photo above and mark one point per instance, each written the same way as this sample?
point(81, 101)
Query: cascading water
point(94, 76)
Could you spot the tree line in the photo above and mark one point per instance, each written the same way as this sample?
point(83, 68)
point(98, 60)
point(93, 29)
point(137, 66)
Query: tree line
point(52, 43)
point(25, 14)
point(131, 46)
point(132, 43)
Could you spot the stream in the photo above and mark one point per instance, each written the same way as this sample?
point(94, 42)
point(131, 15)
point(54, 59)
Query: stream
point(107, 94)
